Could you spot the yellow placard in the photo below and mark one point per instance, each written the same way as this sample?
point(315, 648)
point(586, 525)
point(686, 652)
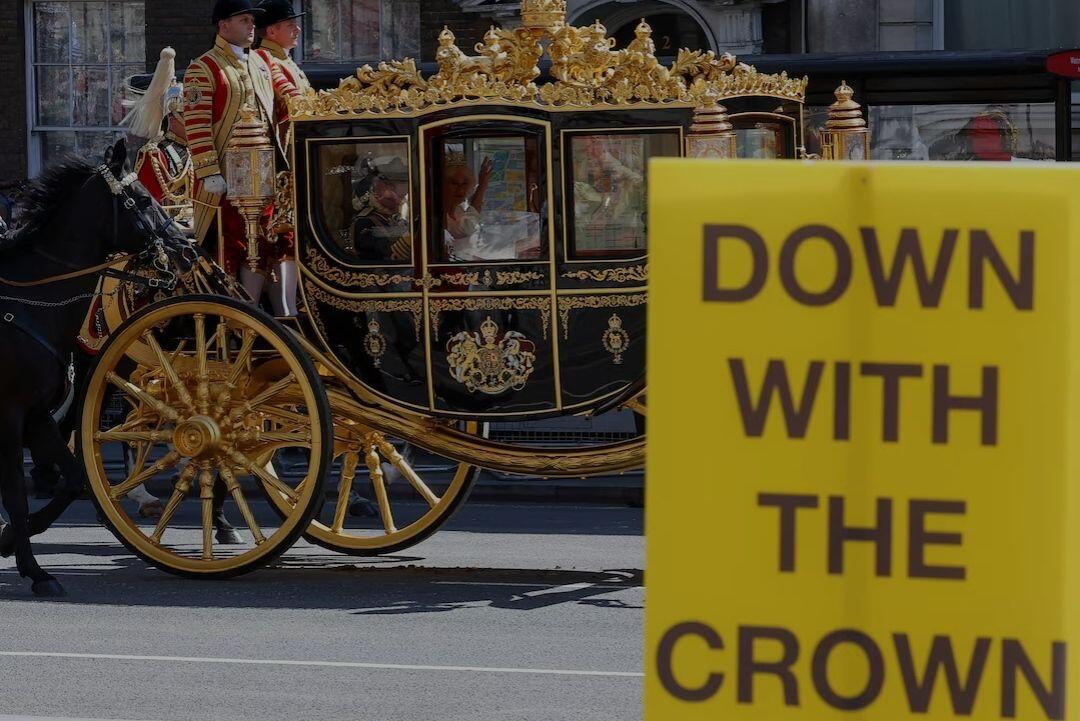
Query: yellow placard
point(863, 441)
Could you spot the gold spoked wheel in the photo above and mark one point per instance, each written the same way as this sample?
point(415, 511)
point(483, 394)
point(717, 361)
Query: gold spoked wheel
point(389, 495)
point(191, 388)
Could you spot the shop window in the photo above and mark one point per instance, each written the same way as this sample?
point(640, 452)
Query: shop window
point(609, 198)
point(491, 198)
point(363, 189)
point(80, 55)
point(1003, 132)
point(358, 31)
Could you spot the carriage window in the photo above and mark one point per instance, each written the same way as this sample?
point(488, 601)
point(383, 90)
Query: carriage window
point(363, 192)
point(760, 138)
point(491, 198)
point(609, 199)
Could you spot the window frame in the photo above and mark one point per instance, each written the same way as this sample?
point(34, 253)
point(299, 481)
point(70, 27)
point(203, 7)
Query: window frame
point(474, 127)
point(34, 130)
point(316, 213)
point(300, 53)
point(570, 254)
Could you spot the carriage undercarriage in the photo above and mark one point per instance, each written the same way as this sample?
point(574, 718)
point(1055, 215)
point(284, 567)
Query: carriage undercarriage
point(233, 390)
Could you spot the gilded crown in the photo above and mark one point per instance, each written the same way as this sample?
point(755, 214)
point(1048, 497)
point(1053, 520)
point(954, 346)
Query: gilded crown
point(543, 14)
point(489, 330)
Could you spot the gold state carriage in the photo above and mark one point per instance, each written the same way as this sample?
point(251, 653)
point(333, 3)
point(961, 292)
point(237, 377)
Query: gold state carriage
point(473, 249)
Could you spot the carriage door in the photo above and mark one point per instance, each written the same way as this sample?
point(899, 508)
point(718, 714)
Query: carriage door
point(604, 266)
point(487, 266)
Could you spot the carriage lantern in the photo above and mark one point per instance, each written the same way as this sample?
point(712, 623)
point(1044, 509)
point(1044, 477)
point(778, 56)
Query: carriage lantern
point(846, 136)
point(712, 134)
point(249, 172)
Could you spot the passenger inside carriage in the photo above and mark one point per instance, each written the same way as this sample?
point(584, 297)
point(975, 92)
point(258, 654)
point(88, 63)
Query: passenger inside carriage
point(379, 232)
point(490, 204)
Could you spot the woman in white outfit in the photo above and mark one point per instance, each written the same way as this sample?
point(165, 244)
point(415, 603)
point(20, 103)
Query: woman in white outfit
point(463, 200)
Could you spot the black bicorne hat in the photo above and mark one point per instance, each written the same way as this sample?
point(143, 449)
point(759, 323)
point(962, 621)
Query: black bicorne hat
point(225, 9)
point(274, 11)
point(370, 169)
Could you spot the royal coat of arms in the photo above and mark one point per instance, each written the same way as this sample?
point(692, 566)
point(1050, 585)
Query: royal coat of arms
point(490, 363)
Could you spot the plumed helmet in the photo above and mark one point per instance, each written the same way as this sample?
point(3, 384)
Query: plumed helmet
point(151, 105)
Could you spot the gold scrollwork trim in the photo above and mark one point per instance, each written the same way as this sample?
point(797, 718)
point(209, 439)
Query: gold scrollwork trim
point(442, 305)
point(513, 277)
point(500, 277)
point(586, 72)
point(574, 302)
point(638, 273)
point(322, 268)
point(415, 306)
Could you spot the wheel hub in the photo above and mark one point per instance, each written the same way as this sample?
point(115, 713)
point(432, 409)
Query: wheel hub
point(197, 436)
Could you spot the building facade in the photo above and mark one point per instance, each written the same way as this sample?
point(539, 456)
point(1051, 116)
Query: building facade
point(66, 61)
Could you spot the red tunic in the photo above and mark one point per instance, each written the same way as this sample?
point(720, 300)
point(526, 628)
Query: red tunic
point(289, 80)
point(215, 87)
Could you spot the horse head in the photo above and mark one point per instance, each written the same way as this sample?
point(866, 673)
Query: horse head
point(134, 221)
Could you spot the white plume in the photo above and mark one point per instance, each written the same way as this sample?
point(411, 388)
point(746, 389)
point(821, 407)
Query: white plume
point(148, 111)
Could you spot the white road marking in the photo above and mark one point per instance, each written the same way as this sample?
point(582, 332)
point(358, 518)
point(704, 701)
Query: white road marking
point(560, 589)
point(318, 664)
point(52, 718)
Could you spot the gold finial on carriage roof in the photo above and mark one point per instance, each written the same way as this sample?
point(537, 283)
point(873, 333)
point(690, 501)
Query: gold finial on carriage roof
point(543, 14)
point(587, 72)
point(845, 113)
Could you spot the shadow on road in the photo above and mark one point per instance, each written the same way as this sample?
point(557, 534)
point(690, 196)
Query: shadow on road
point(372, 587)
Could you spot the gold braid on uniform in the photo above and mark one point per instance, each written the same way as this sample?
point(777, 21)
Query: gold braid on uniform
point(174, 189)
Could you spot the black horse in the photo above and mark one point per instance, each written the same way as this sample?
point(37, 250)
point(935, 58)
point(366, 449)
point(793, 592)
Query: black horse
point(75, 216)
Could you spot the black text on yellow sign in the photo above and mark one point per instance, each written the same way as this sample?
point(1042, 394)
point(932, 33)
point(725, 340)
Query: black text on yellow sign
point(862, 480)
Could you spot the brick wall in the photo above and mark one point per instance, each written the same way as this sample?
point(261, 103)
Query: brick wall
point(183, 25)
point(12, 91)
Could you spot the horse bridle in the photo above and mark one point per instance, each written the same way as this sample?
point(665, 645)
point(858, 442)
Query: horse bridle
point(119, 188)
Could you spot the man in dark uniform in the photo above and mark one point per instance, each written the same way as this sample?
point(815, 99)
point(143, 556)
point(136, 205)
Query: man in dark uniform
point(379, 232)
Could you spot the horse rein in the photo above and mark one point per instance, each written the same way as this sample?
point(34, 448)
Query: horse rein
point(118, 189)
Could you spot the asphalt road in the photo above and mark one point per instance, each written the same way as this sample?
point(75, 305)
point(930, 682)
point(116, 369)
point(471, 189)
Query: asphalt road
point(529, 612)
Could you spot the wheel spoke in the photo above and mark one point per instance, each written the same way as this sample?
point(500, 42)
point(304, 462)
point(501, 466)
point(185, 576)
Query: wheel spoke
point(170, 371)
point(133, 436)
point(221, 340)
point(144, 449)
point(292, 439)
point(223, 399)
point(283, 415)
point(378, 482)
point(399, 462)
point(252, 406)
point(180, 491)
point(272, 391)
point(266, 477)
point(240, 364)
point(238, 496)
point(349, 462)
point(206, 496)
point(137, 479)
point(202, 390)
point(133, 391)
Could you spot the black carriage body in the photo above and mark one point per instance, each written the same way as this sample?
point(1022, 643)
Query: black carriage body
point(557, 329)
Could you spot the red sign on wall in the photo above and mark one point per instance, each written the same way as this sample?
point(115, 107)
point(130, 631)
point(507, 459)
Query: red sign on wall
point(1066, 64)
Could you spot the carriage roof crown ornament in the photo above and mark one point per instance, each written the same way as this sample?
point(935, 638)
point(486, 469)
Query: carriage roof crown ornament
point(586, 72)
point(543, 14)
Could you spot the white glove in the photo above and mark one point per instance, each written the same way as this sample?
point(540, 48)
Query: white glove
point(215, 184)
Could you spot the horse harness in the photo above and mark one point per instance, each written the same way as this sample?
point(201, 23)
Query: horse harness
point(118, 189)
